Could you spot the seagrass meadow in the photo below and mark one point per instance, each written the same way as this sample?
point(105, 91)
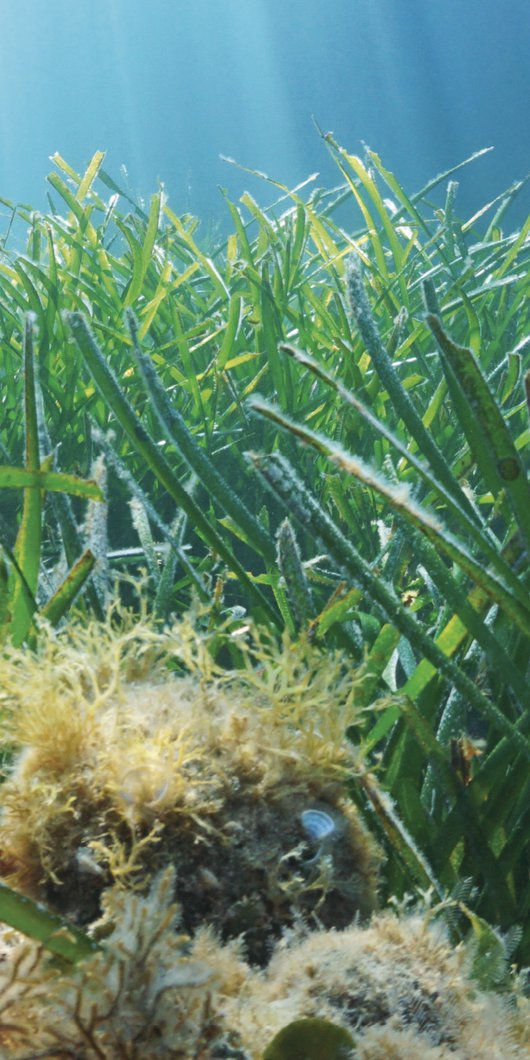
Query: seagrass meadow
point(265, 659)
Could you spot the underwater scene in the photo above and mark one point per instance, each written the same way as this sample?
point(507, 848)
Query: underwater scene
point(264, 530)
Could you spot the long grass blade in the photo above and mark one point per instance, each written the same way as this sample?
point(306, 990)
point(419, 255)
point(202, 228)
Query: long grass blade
point(284, 482)
point(503, 452)
point(57, 935)
point(27, 550)
point(513, 602)
point(177, 433)
point(468, 525)
point(49, 481)
point(60, 603)
point(126, 416)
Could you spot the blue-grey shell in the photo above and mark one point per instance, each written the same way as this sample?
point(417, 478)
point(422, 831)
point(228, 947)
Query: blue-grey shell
point(317, 825)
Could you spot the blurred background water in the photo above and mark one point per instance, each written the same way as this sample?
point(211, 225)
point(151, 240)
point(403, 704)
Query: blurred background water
point(166, 86)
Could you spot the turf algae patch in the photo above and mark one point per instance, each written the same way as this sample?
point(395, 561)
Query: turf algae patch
point(396, 985)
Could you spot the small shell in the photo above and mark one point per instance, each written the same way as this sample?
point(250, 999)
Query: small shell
point(317, 825)
point(87, 864)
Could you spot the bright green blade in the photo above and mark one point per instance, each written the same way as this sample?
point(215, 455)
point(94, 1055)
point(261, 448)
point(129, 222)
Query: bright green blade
point(55, 934)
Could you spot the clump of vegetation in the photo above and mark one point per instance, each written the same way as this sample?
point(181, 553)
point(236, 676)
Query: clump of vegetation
point(237, 779)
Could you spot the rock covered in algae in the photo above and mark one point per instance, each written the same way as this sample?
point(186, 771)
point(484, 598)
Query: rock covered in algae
point(236, 779)
point(397, 985)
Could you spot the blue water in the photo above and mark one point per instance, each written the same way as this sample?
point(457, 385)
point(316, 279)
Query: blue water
point(166, 86)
